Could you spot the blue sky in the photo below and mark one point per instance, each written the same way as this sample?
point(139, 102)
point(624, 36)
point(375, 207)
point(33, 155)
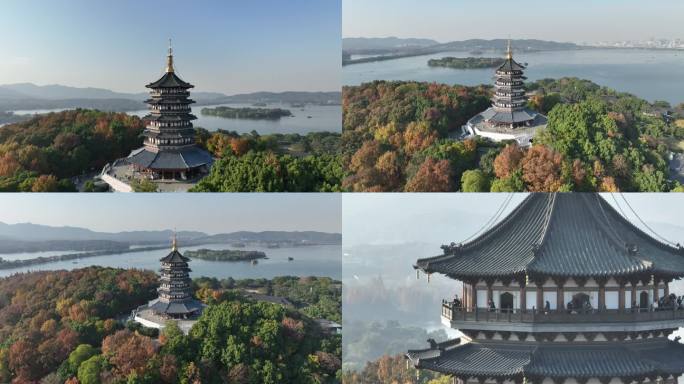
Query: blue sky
point(230, 46)
point(579, 20)
point(211, 213)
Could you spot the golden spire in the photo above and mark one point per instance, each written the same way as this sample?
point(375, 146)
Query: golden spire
point(174, 242)
point(509, 51)
point(169, 59)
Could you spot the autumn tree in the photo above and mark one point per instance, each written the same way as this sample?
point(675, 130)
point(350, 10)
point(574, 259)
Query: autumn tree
point(432, 176)
point(508, 160)
point(541, 168)
point(128, 352)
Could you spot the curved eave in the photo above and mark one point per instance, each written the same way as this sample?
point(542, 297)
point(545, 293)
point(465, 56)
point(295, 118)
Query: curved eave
point(604, 360)
point(569, 235)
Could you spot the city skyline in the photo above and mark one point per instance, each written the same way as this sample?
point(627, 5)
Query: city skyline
point(230, 47)
point(447, 21)
point(209, 213)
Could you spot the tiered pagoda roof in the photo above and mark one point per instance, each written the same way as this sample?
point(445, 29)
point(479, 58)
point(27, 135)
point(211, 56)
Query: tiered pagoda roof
point(175, 297)
point(564, 234)
point(170, 135)
point(536, 361)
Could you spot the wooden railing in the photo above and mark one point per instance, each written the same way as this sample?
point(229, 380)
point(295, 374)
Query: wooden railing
point(461, 314)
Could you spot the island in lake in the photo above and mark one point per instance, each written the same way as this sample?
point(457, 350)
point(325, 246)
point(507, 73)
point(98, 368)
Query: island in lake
point(225, 255)
point(466, 62)
point(247, 113)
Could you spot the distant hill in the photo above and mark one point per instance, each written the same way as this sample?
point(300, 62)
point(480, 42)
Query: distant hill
point(391, 47)
point(501, 45)
point(319, 98)
point(27, 96)
point(365, 43)
point(58, 92)
point(281, 236)
point(28, 232)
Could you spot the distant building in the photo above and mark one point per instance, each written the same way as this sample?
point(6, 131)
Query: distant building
point(175, 301)
point(563, 290)
point(508, 118)
point(329, 327)
point(169, 153)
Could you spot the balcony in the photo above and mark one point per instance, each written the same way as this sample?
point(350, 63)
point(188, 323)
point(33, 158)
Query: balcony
point(485, 315)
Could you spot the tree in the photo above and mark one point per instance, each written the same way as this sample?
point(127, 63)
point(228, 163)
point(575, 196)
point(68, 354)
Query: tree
point(541, 168)
point(474, 181)
point(144, 185)
point(45, 183)
point(508, 160)
point(128, 352)
point(432, 176)
point(89, 371)
point(82, 353)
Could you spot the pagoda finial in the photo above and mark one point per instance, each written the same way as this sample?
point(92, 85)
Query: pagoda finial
point(174, 242)
point(509, 51)
point(169, 59)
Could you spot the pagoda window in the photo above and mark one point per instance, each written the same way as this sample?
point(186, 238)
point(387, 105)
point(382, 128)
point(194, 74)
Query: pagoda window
point(644, 300)
point(530, 297)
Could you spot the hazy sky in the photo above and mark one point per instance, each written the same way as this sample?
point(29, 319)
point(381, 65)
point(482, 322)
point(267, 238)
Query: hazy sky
point(230, 46)
point(211, 213)
point(443, 218)
point(579, 20)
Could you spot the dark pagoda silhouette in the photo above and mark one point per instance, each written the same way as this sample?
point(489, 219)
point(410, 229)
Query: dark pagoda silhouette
point(508, 118)
point(169, 150)
point(563, 290)
point(175, 299)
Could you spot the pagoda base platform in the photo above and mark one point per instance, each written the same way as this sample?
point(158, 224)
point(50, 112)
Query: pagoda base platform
point(148, 316)
point(121, 174)
point(610, 362)
point(483, 125)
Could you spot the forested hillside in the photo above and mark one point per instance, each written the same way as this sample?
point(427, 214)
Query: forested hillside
point(403, 136)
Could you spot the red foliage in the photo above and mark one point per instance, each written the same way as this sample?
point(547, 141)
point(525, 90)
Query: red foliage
point(432, 176)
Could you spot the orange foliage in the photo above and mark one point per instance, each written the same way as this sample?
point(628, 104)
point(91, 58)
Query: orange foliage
point(542, 169)
point(507, 161)
point(432, 176)
point(239, 146)
point(128, 351)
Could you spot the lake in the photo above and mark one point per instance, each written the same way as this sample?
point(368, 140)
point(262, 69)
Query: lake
point(322, 260)
point(649, 74)
point(309, 118)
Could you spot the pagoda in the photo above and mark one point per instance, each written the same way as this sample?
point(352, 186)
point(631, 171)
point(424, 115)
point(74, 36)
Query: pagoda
point(563, 290)
point(508, 118)
point(169, 150)
point(175, 299)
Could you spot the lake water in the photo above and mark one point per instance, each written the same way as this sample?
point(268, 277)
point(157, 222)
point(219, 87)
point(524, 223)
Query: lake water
point(649, 74)
point(323, 260)
point(309, 118)
point(33, 255)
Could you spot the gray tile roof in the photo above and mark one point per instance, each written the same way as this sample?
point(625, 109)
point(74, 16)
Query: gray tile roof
point(506, 360)
point(176, 159)
point(175, 307)
point(169, 80)
point(511, 65)
point(564, 234)
point(509, 117)
point(174, 257)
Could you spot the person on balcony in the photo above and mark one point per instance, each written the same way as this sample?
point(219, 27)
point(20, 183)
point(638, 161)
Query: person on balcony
point(492, 306)
point(547, 307)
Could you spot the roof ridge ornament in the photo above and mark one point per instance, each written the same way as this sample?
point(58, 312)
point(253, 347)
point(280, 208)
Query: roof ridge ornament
point(452, 248)
point(169, 59)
